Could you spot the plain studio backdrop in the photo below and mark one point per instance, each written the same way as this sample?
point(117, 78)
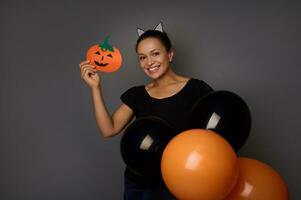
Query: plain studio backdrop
point(50, 147)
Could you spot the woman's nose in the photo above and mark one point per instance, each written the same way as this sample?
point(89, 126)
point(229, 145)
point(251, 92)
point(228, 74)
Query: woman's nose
point(149, 61)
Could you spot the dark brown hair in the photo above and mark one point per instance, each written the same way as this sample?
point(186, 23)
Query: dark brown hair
point(161, 36)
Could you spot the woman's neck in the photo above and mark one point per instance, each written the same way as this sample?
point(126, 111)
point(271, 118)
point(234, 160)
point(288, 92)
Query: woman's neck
point(170, 77)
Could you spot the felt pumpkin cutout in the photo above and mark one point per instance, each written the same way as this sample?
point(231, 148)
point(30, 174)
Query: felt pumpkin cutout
point(104, 57)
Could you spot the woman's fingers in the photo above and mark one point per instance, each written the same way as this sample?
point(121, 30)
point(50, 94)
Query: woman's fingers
point(86, 72)
point(84, 62)
point(84, 67)
point(90, 67)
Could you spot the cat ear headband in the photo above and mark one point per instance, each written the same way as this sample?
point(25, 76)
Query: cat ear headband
point(157, 28)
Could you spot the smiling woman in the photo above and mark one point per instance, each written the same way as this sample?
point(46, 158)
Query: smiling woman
point(167, 96)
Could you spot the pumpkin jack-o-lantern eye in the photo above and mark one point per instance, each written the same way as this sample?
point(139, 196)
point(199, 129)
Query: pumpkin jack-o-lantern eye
point(97, 53)
point(110, 55)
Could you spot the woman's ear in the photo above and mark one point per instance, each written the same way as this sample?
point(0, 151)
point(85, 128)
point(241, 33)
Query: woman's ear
point(170, 55)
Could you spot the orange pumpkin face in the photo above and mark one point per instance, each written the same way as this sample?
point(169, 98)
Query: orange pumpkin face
point(104, 57)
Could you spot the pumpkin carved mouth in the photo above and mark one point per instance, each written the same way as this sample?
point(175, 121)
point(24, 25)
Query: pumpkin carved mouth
point(100, 64)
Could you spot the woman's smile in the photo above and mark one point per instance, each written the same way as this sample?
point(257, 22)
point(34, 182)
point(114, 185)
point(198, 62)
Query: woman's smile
point(153, 69)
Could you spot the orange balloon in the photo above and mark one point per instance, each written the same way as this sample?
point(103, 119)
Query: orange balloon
point(199, 164)
point(258, 181)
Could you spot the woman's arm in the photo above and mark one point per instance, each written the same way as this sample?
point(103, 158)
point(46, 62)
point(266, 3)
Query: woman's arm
point(109, 125)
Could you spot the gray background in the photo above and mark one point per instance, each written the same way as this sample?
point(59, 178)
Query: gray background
point(50, 147)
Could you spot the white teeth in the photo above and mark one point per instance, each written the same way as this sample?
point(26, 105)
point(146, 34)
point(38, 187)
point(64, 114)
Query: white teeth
point(152, 69)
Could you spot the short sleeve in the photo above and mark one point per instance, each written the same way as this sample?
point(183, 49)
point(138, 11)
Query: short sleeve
point(128, 97)
point(203, 87)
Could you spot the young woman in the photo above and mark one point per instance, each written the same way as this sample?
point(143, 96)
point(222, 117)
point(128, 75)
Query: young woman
point(169, 96)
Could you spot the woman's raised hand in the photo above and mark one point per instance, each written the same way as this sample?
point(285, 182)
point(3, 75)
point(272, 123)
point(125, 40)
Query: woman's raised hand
point(89, 74)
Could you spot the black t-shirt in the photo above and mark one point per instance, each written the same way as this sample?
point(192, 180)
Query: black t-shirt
point(175, 109)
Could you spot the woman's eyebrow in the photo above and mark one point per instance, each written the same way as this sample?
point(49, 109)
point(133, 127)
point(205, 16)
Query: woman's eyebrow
point(155, 50)
point(149, 51)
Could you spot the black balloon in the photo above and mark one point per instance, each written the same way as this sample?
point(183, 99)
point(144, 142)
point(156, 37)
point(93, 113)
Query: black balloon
point(225, 113)
point(142, 146)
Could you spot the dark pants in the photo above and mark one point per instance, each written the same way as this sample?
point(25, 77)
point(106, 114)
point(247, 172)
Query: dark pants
point(136, 191)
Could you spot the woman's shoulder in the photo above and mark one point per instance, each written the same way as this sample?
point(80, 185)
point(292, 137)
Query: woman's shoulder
point(134, 89)
point(197, 80)
point(200, 84)
point(130, 96)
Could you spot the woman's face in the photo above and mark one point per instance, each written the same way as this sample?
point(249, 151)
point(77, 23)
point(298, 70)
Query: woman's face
point(153, 57)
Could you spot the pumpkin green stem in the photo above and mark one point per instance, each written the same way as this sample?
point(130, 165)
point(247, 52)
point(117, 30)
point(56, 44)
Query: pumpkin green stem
point(106, 45)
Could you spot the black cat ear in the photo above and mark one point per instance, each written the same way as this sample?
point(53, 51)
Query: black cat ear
point(140, 31)
point(159, 27)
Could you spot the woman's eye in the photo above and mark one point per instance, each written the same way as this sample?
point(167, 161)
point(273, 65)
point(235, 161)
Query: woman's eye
point(141, 58)
point(156, 53)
